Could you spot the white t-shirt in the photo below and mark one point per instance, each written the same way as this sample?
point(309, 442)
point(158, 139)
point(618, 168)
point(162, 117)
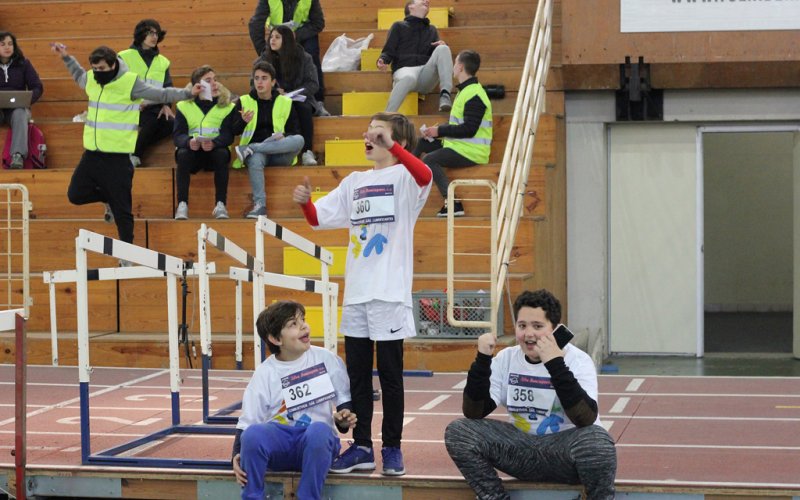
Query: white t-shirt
point(380, 207)
point(297, 392)
point(527, 393)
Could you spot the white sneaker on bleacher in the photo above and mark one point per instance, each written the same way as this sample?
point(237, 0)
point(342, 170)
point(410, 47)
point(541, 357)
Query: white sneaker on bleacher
point(182, 212)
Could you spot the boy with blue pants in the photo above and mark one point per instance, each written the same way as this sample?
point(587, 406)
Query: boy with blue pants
point(287, 420)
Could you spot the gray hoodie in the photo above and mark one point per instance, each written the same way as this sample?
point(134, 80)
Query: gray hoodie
point(140, 89)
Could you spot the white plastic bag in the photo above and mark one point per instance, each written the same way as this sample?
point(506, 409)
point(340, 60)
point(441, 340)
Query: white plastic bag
point(344, 54)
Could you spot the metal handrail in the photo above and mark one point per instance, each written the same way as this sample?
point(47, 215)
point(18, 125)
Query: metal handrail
point(15, 253)
point(515, 169)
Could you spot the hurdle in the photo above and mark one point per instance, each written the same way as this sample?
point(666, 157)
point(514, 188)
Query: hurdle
point(52, 278)
point(254, 273)
point(208, 236)
point(265, 226)
point(172, 268)
point(14, 319)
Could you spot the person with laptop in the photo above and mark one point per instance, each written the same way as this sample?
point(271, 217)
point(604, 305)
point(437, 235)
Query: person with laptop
point(18, 74)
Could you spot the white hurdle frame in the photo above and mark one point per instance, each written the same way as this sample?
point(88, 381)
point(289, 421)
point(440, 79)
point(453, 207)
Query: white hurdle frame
point(101, 274)
point(172, 267)
point(207, 235)
point(267, 226)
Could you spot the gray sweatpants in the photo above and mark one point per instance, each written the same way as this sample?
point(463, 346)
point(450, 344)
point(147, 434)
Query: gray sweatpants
point(17, 118)
point(583, 455)
point(422, 79)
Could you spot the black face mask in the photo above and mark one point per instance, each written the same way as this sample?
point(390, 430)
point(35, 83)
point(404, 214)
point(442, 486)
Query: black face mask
point(104, 77)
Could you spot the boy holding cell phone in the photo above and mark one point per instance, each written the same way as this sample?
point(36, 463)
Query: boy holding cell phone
point(549, 388)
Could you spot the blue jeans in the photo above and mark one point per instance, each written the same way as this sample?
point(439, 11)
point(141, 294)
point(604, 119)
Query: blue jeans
point(281, 448)
point(267, 154)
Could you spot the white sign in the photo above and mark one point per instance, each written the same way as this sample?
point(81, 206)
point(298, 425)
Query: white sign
point(638, 16)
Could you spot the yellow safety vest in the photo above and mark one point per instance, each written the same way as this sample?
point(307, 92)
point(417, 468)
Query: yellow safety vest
point(276, 13)
point(478, 147)
point(280, 115)
point(153, 75)
point(206, 125)
point(112, 119)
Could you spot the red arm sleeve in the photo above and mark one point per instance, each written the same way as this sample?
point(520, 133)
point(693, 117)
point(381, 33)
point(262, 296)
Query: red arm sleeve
point(310, 212)
point(419, 171)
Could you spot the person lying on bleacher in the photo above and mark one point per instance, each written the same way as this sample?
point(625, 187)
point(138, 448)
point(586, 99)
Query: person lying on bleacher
point(305, 18)
point(295, 71)
point(105, 171)
point(156, 120)
point(467, 139)
point(269, 131)
point(200, 143)
point(19, 74)
point(419, 59)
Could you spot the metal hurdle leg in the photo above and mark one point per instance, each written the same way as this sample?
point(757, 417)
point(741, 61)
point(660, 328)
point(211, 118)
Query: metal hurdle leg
point(13, 319)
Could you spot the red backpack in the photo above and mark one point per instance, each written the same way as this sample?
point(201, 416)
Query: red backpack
point(37, 149)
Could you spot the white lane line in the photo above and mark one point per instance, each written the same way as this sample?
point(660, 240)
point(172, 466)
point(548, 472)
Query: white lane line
point(460, 386)
point(634, 385)
point(77, 400)
point(606, 424)
point(704, 395)
point(619, 405)
point(139, 449)
point(407, 420)
point(434, 402)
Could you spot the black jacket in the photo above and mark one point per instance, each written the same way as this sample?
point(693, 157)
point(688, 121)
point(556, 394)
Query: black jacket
point(264, 127)
point(409, 43)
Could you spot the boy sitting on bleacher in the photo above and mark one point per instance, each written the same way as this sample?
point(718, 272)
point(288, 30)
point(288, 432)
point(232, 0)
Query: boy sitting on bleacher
point(288, 417)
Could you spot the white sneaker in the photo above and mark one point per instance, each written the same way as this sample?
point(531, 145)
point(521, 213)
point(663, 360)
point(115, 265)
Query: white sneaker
point(308, 159)
point(136, 161)
point(220, 212)
point(321, 111)
point(125, 263)
point(242, 152)
point(108, 215)
point(182, 212)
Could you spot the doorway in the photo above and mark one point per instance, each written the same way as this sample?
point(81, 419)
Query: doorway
point(748, 243)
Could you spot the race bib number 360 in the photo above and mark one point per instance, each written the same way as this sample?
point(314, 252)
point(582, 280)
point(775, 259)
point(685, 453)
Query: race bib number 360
point(307, 388)
point(373, 205)
point(528, 394)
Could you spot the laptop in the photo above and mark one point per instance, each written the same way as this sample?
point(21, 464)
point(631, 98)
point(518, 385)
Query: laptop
point(15, 99)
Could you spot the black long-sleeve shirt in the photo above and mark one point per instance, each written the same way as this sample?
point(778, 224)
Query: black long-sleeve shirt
point(578, 406)
point(264, 125)
point(473, 116)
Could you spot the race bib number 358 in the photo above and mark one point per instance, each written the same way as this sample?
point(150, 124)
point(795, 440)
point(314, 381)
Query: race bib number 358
point(307, 388)
point(527, 394)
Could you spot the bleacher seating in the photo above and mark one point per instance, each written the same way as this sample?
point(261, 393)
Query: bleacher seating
point(215, 33)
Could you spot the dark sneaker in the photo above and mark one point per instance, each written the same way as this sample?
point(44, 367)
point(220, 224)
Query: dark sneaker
point(108, 215)
point(458, 210)
point(355, 458)
point(257, 210)
point(392, 462)
point(445, 102)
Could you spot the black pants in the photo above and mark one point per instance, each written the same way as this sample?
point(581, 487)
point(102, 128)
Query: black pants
point(358, 353)
point(437, 157)
point(106, 178)
point(190, 162)
point(312, 47)
point(305, 112)
point(152, 129)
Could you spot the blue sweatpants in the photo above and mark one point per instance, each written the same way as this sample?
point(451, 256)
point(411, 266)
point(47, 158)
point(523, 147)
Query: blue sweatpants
point(281, 448)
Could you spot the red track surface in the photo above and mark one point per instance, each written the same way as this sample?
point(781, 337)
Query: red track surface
point(703, 431)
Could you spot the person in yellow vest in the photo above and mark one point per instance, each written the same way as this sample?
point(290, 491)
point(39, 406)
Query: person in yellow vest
point(467, 139)
point(202, 141)
point(156, 119)
point(105, 172)
point(305, 18)
point(269, 131)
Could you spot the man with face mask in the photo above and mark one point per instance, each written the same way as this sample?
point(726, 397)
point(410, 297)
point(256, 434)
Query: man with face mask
point(105, 172)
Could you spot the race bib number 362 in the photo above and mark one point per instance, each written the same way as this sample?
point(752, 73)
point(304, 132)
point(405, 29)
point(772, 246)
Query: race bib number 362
point(307, 388)
point(373, 205)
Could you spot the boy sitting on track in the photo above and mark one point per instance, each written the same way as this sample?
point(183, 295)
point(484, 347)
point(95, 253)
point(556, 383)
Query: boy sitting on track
point(287, 420)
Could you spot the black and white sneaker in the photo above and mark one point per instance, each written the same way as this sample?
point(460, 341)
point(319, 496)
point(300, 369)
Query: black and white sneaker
point(458, 210)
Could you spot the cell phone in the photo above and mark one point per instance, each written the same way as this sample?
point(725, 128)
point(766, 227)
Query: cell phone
point(562, 335)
